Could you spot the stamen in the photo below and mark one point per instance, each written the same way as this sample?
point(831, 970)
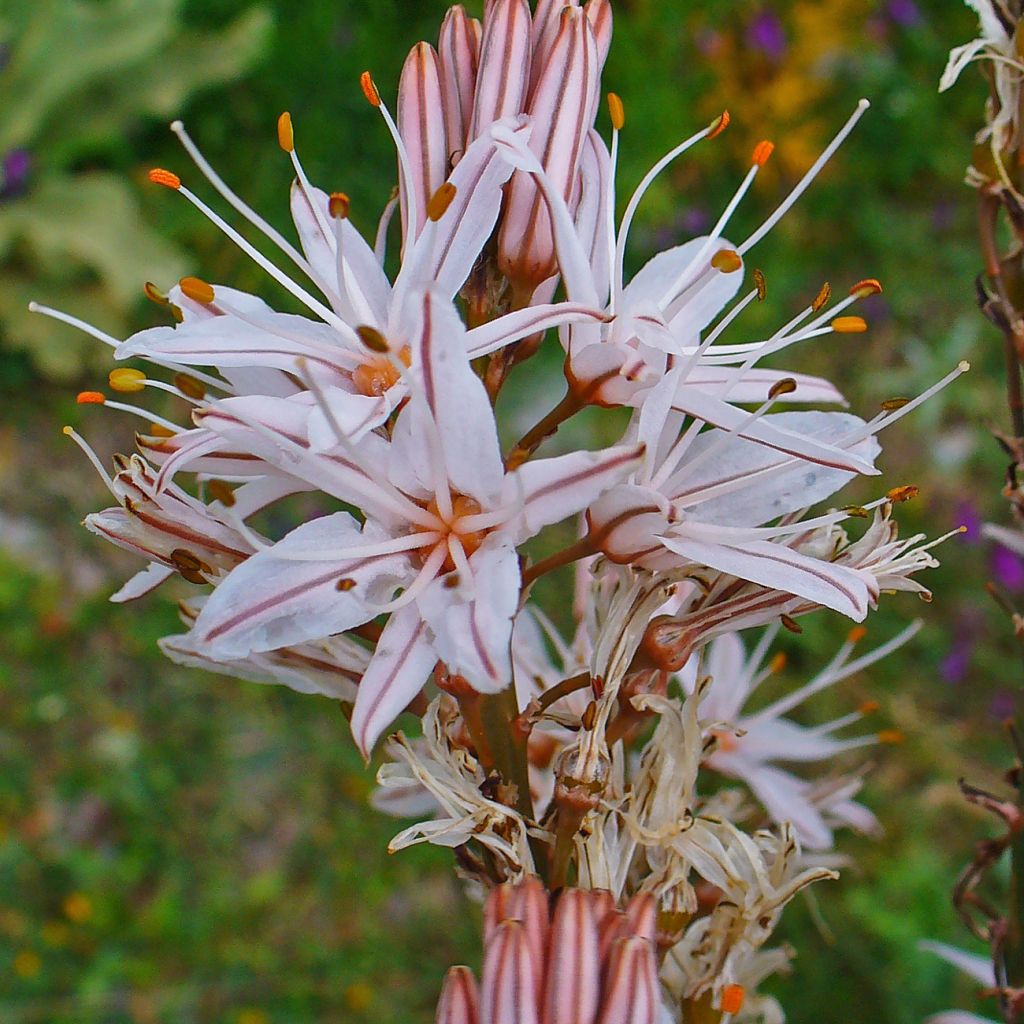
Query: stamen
point(154, 294)
point(856, 635)
point(90, 398)
point(849, 325)
point(732, 998)
point(127, 380)
point(338, 205)
point(440, 201)
point(762, 152)
point(197, 290)
point(189, 386)
point(891, 736)
point(905, 493)
point(220, 491)
point(801, 186)
point(761, 284)
point(239, 205)
point(616, 111)
point(786, 386)
point(285, 132)
point(373, 339)
point(778, 663)
point(869, 286)
point(727, 261)
point(166, 178)
point(719, 125)
point(93, 458)
point(369, 89)
point(821, 299)
point(145, 414)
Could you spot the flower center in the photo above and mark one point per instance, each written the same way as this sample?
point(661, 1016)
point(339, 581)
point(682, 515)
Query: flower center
point(379, 373)
point(462, 506)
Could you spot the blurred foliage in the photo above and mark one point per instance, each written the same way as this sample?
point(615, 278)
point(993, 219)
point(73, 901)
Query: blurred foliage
point(78, 78)
point(180, 848)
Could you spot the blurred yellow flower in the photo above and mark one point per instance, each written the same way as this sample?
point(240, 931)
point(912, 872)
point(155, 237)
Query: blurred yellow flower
point(78, 908)
point(27, 964)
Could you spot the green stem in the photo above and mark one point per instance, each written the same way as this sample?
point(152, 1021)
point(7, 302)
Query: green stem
point(498, 712)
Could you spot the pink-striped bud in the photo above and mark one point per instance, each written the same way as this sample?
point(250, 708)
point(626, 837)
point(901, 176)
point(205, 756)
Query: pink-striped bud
point(631, 994)
point(561, 109)
point(421, 122)
point(572, 986)
point(458, 51)
point(504, 69)
point(460, 1000)
point(509, 989)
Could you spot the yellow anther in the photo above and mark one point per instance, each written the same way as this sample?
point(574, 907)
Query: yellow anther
point(727, 261)
point(719, 124)
point(159, 430)
point(761, 284)
point(369, 89)
point(762, 153)
point(849, 325)
point(778, 663)
point(196, 289)
point(372, 338)
point(126, 380)
point(822, 297)
point(90, 398)
point(616, 111)
point(869, 286)
point(338, 205)
point(190, 386)
point(166, 178)
point(440, 201)
point(285, 132)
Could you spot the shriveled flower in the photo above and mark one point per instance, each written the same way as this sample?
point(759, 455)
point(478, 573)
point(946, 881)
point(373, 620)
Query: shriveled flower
point(750, 745)
point(552, 959)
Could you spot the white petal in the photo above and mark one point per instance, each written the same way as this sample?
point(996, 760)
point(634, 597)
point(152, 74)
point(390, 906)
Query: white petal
point(473, 636)
point(142, 583)
point(403, 660)
point(978, 967)
point(780, 568)
point(270, 601)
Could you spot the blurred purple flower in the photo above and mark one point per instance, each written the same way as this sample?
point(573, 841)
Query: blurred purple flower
point(16, 167)
point(953, 667)
point(1002, 705)
point(903, 12)
point(766, 34)
point(1007, 568)
point(966, 515)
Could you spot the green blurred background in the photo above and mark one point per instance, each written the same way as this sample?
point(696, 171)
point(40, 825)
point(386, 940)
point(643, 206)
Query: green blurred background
point(177, 847)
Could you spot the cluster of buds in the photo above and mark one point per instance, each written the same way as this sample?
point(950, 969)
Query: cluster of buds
point(413, 592)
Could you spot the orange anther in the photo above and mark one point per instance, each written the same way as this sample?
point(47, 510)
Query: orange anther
point(869, 707)
point(166, 178)
point(727, 261)
point(849, 325)
point(159, 430)
point(91, 398)
point(822, 297)
point(762, 153)
point(369, 89)
point(778, 662)
point(616, 111)
point(904, 493)
point(890, 736)
point(189, 386)
point(440, 201)
point(856, 634)
point(285, 132)
point(869, 286)
point(732, 998)
point(196, 289)
point(719, 124)
point(338, 205)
